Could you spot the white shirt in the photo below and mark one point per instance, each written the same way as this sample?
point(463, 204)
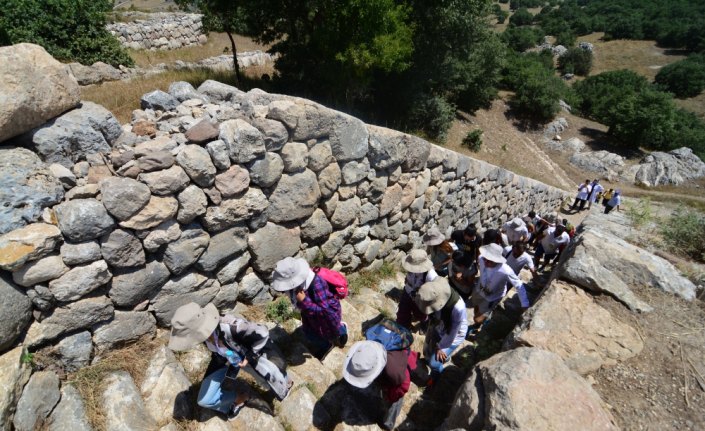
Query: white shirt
point(515, 235)
point(414, 280)
point(615, 201)
point(517, 263)
point(493, 281)
point(454, 335)
point(550, 243)
point(583, 192)
point(596, 189)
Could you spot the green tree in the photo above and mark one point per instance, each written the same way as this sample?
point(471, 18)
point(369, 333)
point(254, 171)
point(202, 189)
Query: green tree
point(599, 93)
point(521, 17)
point(520, 39)
point(685, 78)
point(576, 60)
point(70, 30)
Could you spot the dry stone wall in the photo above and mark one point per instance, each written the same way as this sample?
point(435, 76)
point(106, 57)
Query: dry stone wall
point(160, 31)
point(203, 192)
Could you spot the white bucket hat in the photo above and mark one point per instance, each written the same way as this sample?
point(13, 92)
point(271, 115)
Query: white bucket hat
point(417, 261)
point(192, 325)
point(517, 224)
point(433, 237)
point(289, 273)
point(432, 296)
point(492, 252)
point(364, 362)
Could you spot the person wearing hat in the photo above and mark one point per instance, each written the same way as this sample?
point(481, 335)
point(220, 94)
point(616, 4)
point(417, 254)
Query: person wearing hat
point(495, 274)
point(449, 323)
point(595, 192)
point(321, 311)
point(516, 231)
point(235, 343)
point(440, 250)
point(614, 202)
point(419, 270)
point(389, 366)
point(543, 224)
point(552, 242)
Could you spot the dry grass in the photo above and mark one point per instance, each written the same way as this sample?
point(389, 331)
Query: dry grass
point(90, 381)
point(218, 44)
point(641, 56)
point(694, 104)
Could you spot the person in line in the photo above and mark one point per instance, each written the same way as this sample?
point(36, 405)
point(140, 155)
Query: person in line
point(581, 197)
point(467, 241)
point(462, 272)
point(614, 202)
point(235, 343)
point(596, 190)
point(385, 358)
point(493, 236)
point(495, 274)
point(606, 196)
point(320, 308)
point(518, 258)
point(440, 250)
point(569, 228)
point(449, 324)
point(419, 270)
point(516, 231)
point(531, 220)
point(544, 223)
point(550, 245)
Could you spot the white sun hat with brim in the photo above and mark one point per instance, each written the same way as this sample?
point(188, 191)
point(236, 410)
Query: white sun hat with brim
point(289, 273)
point(493, 253)
point(432, 296)
point(192, 325)
point(433, 237)
point(517, 224)
point(364, 362)
point(417, 261)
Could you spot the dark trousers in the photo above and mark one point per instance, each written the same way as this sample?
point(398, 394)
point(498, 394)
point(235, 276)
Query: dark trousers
point(408, 312)
point(578, 203)
point(608, 209)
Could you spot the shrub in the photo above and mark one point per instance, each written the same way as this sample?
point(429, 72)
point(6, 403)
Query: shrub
point(521, 17)
point(577, 61)
point(473, 140)
point(70, 30)
point(520, 39)
point(685, 78)
point(684, 233)
point(433, 115)
point(566, 38)
point(640, 213)
point(600, 93)
point(280, 310)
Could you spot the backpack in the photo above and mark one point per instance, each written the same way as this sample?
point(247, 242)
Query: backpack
point(337, 282)
point(391, 335)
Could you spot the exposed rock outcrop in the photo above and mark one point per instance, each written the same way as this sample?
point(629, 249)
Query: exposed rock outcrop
point(675, 167)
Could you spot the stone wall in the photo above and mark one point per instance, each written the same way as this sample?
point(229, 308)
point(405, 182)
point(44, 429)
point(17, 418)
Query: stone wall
point(160, 31)
point(201, 195)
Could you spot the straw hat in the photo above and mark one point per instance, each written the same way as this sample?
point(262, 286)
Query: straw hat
point(417, 261)
point(517, 224)
point(289, 273)
point(493, 253)
point(364, 362)
point(433, 237)
point(192, 325)
point(432, 296)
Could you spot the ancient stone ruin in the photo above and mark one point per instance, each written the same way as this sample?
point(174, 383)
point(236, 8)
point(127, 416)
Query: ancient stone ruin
point(159, 31)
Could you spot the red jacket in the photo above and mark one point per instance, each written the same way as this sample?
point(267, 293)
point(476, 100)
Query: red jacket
point(396, 376)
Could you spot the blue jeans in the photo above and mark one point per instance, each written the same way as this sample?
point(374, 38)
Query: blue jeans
point(211, 396)
point(436, 365)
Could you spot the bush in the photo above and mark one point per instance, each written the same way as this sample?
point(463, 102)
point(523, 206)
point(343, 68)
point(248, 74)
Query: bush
point(516, 4)
point(684, 233)
point(433, 115)
point(600, 93)
point(685, 78)
point(520, 39)
point(577, 61)
point(280, 310)
point(473, 140)
point(521, 17)
point(566, 38)
point(70, 30)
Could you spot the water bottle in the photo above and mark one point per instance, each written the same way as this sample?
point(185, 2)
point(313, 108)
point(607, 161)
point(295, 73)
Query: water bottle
point(232, 358)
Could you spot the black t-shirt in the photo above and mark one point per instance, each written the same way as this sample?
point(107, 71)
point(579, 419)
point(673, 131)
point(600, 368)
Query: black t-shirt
point(471, 248)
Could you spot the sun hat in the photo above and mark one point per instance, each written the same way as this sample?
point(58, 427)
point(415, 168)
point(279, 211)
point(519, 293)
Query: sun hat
point(192, 325)
point(517, 224)
point(493, 253)
point(432, 296)
point(289, 273)
point(417, 261)
point(433, 237)
point(364, 362)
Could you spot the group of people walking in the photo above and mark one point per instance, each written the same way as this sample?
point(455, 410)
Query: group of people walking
point(593, 192)
point(442, 281)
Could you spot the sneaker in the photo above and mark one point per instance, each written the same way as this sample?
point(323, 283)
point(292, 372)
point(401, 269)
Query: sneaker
point(343, 339)
point(232, 414)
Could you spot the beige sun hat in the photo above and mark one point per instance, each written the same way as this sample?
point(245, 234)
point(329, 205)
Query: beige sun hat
point(433, 237)
point(517, 224)
point(192, 325)
point(492, 252)
point(432, 296)
point(417, 261)
point(289, 273)
point(364, 362)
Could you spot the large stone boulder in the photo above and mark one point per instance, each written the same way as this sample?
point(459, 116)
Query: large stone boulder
point(131, 286)
point(272, 243)
point(86, 130)
point(233, 211)
point(14, 373)
point(165, 387)
point(38, 399)
point(564, 311)
point(674, 167)
point(83, 219)
point(121, 249)
point(28, 243)
point(70, 413)
point(15, 312)
point(222, 247)
point(37, 271)
point(527, 389)
point(604, 163)
point(124, 197)
point(27, 188)
point(123, 406)
point(80, 280)
point(295, 197)
point(126, 327)
point(181, 290)
point(96, 73)
point(75, 351)
point(34, 88)
point(602, 262)
point(198, 165)
point(185, 251)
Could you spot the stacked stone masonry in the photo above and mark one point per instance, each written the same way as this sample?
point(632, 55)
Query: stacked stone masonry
point(160, 31)
point(201, 195)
